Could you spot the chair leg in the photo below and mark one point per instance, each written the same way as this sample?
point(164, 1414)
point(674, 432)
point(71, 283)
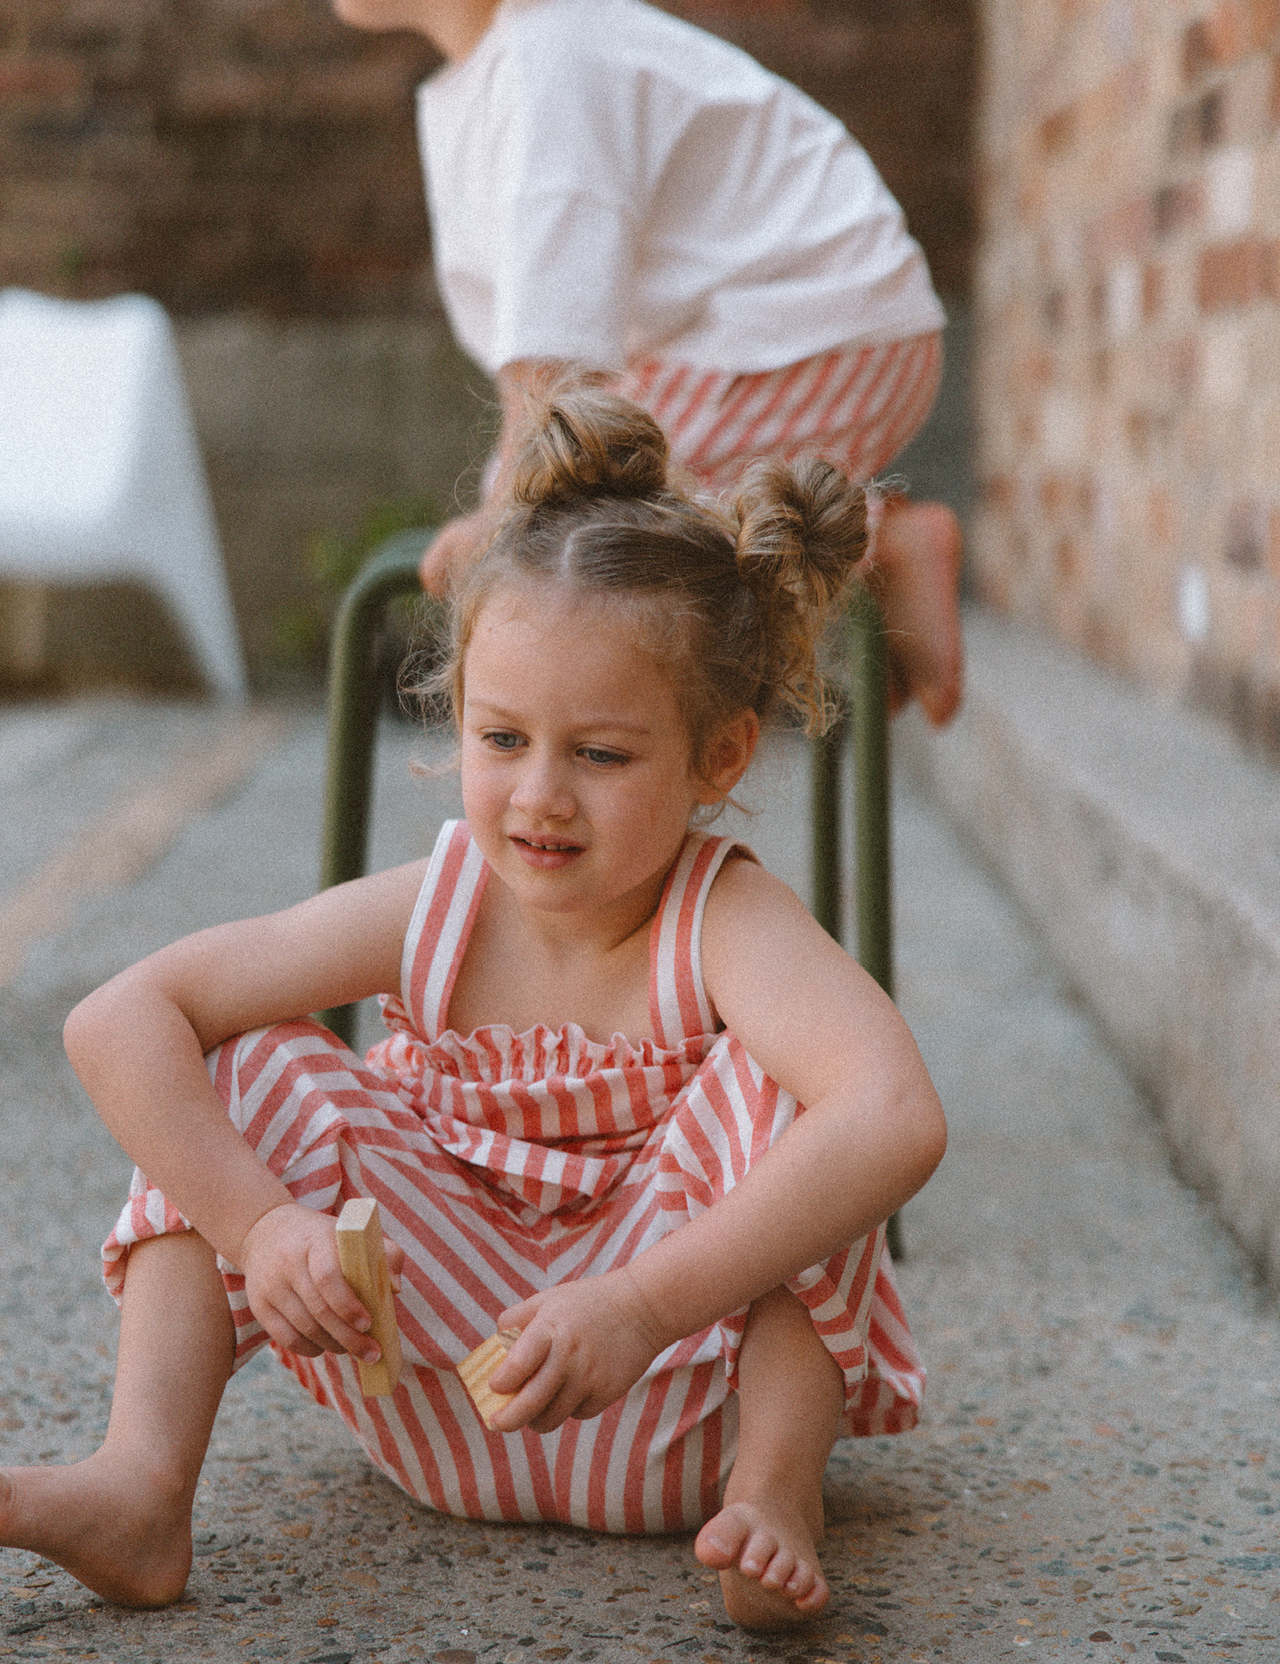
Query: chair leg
point(872, 780)
point(873, 792)
point(353, 720)
point(828, 890)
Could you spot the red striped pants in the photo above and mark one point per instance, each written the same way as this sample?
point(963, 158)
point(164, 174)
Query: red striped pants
point(856, 407)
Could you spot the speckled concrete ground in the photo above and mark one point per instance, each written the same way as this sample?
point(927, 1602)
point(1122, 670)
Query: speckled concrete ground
point(1095, 1474)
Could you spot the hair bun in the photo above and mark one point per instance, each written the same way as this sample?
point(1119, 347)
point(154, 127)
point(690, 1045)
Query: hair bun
point(582, 441)
point(801, 529)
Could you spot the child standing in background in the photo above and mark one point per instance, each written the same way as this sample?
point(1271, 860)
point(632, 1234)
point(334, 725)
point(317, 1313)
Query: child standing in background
point(613, 187)
point(634, 1102)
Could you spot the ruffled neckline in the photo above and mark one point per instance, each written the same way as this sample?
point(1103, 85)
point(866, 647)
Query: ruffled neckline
point(496, 1051)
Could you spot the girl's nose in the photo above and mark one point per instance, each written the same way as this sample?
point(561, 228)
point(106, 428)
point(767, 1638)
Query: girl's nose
point(543, 790)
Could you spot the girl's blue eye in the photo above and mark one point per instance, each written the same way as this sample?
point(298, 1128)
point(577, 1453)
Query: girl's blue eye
point(597, 754)
point(502, 741)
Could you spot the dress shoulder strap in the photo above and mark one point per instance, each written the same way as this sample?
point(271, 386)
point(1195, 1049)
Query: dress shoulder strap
point(678, 1004)
point(442, 918)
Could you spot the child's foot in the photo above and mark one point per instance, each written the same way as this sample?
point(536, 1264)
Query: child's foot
point(766, 1554)
point(132, 1547)
point(916, 578)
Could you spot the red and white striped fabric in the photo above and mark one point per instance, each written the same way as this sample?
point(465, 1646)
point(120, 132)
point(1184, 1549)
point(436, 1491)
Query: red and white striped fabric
point(854, 406)
point(505, 1163)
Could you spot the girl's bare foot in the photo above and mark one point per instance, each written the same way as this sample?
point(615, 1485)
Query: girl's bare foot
point(130, 1544)
point(766, 1554)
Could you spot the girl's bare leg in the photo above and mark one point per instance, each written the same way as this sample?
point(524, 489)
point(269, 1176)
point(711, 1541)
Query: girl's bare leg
point(120, 1521)
point(916, 578)
point(764, 1540)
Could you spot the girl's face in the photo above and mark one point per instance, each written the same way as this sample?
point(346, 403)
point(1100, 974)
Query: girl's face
point(576, 776)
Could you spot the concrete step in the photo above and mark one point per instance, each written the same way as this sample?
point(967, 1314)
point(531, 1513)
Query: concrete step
point(1145, 845)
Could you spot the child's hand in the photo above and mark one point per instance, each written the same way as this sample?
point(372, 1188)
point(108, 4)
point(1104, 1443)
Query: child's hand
point(295, 1285)
point(451, 551)
point(581, 1347)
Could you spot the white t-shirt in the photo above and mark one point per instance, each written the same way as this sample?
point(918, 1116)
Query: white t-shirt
point(606, 182)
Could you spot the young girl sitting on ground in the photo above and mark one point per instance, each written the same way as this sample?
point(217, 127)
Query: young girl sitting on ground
point(634, 1103)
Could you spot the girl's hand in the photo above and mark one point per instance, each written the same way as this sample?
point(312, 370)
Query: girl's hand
point(295, 1285)
point(581, 1347)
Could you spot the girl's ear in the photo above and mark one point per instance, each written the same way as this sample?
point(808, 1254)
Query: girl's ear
point(728, 756)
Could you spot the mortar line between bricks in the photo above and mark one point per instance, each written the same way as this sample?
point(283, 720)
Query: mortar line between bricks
point(121, 844)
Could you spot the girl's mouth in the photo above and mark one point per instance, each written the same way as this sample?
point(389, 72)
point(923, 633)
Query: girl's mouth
point(545, 853)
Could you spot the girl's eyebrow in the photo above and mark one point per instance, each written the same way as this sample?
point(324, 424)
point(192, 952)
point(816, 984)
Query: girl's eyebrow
point(617, 725)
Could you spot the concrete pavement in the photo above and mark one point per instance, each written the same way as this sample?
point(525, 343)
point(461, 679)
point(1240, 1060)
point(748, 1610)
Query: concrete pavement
point(1098, 1471)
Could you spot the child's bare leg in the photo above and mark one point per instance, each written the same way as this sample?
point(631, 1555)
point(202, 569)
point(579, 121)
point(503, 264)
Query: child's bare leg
point(763, 1541)
point(916, 578)
point(120, 1521)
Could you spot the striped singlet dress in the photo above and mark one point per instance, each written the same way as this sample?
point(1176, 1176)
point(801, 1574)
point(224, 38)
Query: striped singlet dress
point(505, 1163)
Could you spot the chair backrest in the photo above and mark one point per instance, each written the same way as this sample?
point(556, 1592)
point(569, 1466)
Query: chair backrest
point(72, 386)
point(100, 469)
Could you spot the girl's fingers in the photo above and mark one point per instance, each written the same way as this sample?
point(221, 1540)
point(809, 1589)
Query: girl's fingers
point(522, 1362)
point(310, 1317)
point(287, 1334)
point(339, 1299)
point(531, 1401)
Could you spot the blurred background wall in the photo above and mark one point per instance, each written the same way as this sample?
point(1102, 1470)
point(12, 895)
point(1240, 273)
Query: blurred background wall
point(252, 164)
point(1128, 340)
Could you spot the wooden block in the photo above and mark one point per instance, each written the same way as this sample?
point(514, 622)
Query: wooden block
point(476, 1368)
point(364, 1264)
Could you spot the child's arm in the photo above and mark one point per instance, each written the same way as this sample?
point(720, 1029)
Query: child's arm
point(871, 1134)
point(138, 1045)
point(463, 540)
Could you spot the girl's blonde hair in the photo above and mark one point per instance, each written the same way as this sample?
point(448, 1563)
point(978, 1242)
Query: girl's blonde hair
point(729, 598)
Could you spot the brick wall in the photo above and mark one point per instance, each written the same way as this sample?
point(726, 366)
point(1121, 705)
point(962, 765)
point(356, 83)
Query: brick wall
point(214, 153)
point(255, 153)
point(1128, 318)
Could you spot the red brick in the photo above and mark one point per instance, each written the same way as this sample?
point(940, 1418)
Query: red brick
point(1057, 131)
point(1139, 426)
point(221, 92)
point(40, 80)
point(1152, 291)
point(1127, 229)
point(1160, 515)
point(1175, 206)
point(1264, 21)
point(1234, 274)
point(1216, 40)
point(1246, 536)
point(1066, 560)
point(1269, 270)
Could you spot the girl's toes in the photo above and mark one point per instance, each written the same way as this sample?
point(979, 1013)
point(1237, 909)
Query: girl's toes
point(815, 1597)
point(735, 1538)
point(764, 1558)
point(721, 1541)
point(776, 1566)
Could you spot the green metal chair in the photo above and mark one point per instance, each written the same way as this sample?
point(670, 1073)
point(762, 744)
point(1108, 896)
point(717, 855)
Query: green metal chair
point(353, 725)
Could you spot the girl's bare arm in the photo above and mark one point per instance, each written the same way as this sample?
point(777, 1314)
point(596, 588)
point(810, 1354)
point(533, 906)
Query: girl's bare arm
point(138, 1043)
point(871, 1134)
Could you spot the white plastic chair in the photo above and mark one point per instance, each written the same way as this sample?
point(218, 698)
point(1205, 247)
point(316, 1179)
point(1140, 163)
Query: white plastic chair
point(100, 473)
